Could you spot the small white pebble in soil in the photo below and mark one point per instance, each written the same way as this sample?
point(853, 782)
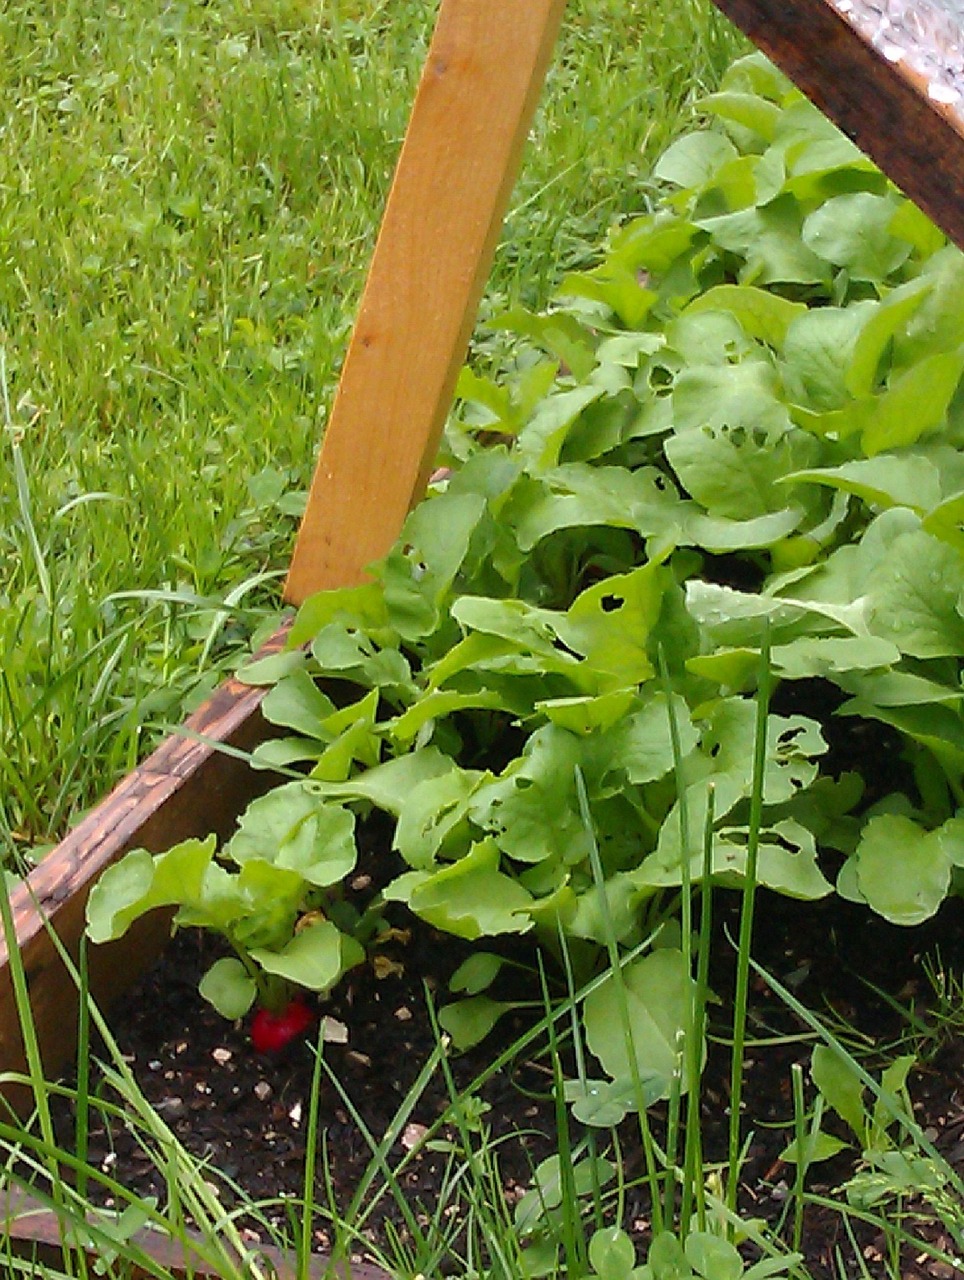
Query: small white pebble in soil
point(221, 1056)
point(361, 1058)
point(413, 1134)
point(263, 1091)
point(154, 1064)
point(361, 882)
point(334, 1032)
point(404, 1014)
point(294, 1114)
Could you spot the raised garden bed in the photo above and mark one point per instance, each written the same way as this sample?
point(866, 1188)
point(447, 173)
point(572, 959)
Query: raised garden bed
point(195, 784)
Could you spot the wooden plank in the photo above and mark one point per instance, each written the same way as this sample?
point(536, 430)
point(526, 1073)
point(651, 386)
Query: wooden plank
point(34, 1233)
point(186, 787)
point(883, 107)
point(475, 102)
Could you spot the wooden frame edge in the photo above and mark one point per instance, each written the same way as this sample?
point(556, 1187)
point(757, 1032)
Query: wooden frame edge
point(34, 1233)
point(884, 109)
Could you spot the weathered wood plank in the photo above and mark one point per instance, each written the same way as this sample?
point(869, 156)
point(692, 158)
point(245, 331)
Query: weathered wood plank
point(484, 73)
point(882, 107)
point(34, 1233)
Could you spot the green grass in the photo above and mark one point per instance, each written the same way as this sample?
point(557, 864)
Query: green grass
point(188, 198)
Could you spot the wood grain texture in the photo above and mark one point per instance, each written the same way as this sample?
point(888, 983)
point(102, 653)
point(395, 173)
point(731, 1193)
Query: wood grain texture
point(34, 1233)
point(188, 787)
point(472, 112)
point(884, 109)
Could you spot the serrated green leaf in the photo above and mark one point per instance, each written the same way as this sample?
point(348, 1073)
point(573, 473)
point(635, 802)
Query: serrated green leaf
point(893, 1082)
point(821, 1146)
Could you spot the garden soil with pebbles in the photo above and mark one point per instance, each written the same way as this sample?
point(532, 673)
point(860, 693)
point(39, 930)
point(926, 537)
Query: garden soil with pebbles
point(246, 1114)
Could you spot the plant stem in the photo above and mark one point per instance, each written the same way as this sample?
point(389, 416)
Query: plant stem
point(741, 998)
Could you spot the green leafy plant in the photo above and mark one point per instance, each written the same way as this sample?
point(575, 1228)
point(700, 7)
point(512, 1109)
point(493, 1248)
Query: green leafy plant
point(269, 895)
point(742, 423)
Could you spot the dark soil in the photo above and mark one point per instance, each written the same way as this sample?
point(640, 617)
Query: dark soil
point(247, 1114)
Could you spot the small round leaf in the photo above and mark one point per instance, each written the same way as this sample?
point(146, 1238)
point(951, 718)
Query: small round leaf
point(228, 987)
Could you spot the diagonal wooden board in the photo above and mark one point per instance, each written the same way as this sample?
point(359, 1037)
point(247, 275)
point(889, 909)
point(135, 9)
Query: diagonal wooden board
point(472, 113)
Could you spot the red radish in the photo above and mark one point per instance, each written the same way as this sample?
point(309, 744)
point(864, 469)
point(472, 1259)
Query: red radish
point(271, 1031)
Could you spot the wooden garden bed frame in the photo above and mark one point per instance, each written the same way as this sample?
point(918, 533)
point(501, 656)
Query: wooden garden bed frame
point(471, 116)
